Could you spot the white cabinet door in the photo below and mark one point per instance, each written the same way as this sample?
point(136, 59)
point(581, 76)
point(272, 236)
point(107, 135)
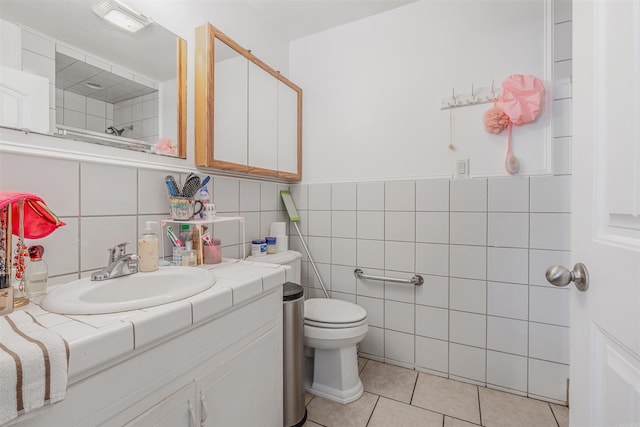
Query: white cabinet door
point(605, 320)
point(24, 100)
point(245, 389)
point(230, 107)
point(177, 410)
point(263, 119)
point(287, 129)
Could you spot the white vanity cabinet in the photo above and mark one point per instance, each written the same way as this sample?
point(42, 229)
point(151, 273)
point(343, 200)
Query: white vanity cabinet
point(177, 410)
point(222, 371)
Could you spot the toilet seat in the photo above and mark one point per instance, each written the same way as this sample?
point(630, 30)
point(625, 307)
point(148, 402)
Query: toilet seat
point(333, 314)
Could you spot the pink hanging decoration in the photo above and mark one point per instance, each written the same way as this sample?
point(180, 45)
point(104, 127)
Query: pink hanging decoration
point(521, 98)
point(495, 120)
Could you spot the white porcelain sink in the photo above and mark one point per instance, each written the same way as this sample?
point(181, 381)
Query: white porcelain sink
point(131, 292)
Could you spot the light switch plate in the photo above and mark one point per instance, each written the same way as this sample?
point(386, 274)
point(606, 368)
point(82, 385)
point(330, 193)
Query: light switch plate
point(461, 169)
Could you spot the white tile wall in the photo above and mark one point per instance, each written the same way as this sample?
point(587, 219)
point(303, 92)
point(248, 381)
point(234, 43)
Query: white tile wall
point(399, 347)
point(508, 194)
point(468, 228)
point(400, 226)
point(507, 335)
point(343, 196)
point(399, 196)
point(432, 322)
point(467, 362)
point(468, 328)
point(432, 195)
point(370, 225)
point(320, 223)
point(507, 370)
point(343, 224)
point(432, 227)
point(432, 259)
point(108, 190)
point(399, 316)
point(434, 292)
point(508, 230)
point(482, 247)
point(468, 262)
point(468, 195)
point(432, 355)
point(468, 295)
point(370, 196)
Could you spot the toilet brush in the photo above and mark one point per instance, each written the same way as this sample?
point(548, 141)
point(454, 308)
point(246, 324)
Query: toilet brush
point(295, 218)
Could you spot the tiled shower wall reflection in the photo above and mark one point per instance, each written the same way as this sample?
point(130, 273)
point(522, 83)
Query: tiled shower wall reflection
point(105, 204)
point(485, 313)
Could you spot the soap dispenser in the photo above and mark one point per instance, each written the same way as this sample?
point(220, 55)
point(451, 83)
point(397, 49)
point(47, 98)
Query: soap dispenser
point(148, 249)
point(36, 274)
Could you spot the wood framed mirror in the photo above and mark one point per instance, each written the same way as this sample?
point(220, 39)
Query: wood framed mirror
point(114, 88)
point(248, 117)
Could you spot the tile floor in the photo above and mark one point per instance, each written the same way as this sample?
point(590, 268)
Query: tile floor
point(398, 397)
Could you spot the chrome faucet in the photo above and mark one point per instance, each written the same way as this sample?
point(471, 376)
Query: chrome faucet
point(120, 264)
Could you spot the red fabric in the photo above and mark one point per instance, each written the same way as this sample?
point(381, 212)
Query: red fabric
point(39, 221)
point(521, 98)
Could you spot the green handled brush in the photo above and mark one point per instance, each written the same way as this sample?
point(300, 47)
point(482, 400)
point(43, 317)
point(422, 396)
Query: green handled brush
point(295, 218)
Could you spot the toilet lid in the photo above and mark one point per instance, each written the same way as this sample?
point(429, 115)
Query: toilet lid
point(333, 311)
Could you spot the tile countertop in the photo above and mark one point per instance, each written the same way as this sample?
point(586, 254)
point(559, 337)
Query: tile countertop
point(100, 340)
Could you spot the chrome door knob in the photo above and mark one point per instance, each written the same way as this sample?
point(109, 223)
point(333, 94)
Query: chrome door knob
point(557, 275)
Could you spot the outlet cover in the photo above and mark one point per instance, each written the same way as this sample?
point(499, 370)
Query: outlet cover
point(462, 169)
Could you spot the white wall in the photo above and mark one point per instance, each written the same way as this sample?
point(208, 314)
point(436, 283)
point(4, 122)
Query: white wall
point(372, 90)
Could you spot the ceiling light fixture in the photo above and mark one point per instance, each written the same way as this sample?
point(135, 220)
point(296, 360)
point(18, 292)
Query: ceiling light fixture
point(121, 15)
point(92, 85)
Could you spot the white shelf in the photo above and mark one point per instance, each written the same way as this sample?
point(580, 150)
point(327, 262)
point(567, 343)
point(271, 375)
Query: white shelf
point(205, 221)
point(216, 220)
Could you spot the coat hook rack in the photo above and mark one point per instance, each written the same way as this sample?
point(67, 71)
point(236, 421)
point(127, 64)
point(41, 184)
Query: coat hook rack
point(478, 95)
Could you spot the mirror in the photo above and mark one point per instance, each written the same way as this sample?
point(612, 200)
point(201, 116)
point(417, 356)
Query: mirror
point(248, 116)
point(105, 85)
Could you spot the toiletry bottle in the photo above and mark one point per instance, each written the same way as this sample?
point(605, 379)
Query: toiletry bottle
point(36, 274)
point(148, 249)
point(205, 198)
point(186, 235)
point(6, 294)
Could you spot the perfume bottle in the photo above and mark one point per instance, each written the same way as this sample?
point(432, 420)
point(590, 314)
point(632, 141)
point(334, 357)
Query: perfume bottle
point(6, 294)
point(36, 274)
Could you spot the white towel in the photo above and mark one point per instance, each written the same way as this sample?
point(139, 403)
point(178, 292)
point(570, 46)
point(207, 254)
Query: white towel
point(34, 363)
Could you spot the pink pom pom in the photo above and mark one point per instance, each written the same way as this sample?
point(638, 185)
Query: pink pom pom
point(495, 120)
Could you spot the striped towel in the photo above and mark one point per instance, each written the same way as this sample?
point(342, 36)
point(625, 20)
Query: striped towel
point(34, 362)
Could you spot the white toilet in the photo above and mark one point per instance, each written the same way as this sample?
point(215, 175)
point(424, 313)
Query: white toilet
point(332, 328)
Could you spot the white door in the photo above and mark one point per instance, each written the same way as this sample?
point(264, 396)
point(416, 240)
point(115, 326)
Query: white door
point(605, 320)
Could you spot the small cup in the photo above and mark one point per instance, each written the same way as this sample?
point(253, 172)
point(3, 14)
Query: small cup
point(209, 211)
point(184, 208)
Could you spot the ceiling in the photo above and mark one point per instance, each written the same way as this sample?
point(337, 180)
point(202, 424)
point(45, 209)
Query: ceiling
point(294, 19)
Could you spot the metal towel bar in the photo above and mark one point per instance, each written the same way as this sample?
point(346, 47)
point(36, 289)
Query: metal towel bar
point(416, 280)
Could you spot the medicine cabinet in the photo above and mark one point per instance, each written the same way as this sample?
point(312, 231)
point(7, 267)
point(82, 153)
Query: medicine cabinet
point(248, 117)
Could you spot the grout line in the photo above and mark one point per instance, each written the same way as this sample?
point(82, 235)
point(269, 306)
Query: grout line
point(479, 405)
point(374, 409)
point(413, 392)
point(554, 415)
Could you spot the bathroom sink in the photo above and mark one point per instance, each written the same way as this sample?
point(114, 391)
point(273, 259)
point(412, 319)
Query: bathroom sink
point(125, 293)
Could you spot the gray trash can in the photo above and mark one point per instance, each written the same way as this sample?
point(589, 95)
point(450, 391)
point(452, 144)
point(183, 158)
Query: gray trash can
point(295, 414)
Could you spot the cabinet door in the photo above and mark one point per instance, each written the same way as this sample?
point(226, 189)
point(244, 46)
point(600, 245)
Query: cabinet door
point(263, 119)
point(230, 105)
point(287, 129)
point(245, 389)
point(176, 410)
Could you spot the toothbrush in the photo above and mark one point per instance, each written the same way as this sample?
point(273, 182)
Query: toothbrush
point(214, 250)
point(171, 186)
point(205, 181)
point(174, 240)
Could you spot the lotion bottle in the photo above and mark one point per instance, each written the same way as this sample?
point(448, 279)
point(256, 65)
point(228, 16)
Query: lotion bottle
point(148, 249)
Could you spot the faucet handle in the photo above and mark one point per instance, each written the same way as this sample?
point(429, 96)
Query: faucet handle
point(117, 251)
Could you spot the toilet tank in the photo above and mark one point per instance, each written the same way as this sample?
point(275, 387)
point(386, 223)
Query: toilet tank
point(290, 258)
